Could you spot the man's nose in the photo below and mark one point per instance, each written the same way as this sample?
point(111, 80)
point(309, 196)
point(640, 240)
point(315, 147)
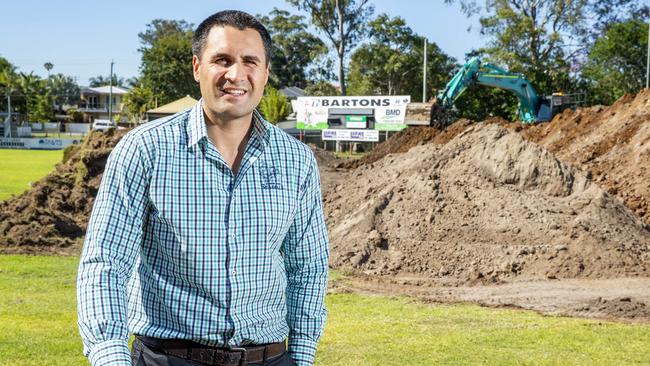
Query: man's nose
point(235, 72)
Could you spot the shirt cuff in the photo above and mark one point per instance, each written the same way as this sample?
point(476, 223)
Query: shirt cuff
point(114, 352)
point(302, 351)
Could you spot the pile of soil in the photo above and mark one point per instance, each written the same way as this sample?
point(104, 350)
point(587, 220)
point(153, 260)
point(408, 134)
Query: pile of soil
point(404, 140)
point(622, 307)
point(486, 206)
point(52, 216)
point(325, 159)
point(613, 143)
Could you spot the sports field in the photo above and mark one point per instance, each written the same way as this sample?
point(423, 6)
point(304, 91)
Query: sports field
point(38, 318)
point(18, 168)
point(39, 326)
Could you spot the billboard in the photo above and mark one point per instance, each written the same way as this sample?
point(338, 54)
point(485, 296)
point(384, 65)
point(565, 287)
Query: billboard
point(387, 112)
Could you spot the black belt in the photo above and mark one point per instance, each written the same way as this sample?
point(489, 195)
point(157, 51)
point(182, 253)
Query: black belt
point(215, 356)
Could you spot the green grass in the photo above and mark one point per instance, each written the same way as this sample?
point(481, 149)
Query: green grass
point(20, 167)
point(38, 322)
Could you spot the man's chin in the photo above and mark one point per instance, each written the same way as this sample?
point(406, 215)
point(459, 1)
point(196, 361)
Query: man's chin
point(230, 114)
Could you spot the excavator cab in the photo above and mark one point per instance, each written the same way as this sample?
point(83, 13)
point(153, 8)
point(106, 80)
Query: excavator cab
point(556, 103)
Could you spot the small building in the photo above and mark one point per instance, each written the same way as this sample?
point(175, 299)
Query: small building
point(174, 107)
point(95, 103)
point(292, 92)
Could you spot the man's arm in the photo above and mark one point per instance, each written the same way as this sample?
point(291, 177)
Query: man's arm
point(110, 250)
point(306, 250)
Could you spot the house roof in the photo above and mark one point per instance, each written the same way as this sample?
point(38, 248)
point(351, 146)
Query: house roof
point(105, 89)
point(175, 106)
point(292, 92)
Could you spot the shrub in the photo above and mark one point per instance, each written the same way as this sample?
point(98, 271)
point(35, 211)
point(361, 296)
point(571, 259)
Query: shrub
point(274, 106)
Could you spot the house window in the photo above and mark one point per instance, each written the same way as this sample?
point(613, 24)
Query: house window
point(92, 101)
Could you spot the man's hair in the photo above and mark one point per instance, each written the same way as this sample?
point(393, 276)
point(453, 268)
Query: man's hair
point(233, 18)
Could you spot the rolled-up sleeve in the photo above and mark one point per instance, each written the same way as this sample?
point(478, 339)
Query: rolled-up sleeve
point(306, 249)
point(110, 251)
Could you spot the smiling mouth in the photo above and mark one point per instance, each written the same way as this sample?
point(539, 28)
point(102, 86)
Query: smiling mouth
point(233, 91)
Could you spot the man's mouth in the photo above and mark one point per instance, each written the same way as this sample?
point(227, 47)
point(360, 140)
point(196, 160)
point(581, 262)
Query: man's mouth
point(233, 91)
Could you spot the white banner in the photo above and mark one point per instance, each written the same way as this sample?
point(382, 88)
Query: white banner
point(351, 135)
point(37, 144)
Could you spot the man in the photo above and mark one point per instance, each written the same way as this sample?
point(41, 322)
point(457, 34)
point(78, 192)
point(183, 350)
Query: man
point(207, 239)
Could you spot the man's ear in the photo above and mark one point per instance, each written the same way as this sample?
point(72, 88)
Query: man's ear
point(196, 64)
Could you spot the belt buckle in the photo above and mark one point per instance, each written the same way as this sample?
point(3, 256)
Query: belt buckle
point(242, 359)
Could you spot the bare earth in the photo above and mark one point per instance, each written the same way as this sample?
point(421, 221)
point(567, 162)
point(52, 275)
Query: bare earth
point(553, 217)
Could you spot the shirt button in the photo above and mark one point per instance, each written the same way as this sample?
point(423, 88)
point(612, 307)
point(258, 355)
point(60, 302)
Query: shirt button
point(233, 272)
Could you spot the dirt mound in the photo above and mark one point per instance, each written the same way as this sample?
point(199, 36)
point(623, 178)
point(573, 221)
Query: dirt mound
point(613, 143)
point(485, 207)
point(622, 307)
point(404, 140)
point(52, 216)
point(324, 158)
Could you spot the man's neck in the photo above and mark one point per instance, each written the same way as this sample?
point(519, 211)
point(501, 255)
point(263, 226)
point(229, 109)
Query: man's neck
point(229, 137)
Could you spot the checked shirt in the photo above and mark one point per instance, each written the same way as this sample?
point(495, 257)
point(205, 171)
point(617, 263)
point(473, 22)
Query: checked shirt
point(178, 247)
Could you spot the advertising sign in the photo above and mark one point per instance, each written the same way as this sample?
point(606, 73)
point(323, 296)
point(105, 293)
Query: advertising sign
point(351, 135)
point(356, 122)
point(36, 143)
point(388, 111)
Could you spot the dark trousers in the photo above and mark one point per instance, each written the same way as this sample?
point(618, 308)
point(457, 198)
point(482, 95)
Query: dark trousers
point(142, 355)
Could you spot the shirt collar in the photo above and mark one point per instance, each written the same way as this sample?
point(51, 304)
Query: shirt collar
point(196, 129)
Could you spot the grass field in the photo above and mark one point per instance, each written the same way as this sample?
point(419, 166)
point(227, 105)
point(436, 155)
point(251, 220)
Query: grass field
point(20, 167)
point(38, 322)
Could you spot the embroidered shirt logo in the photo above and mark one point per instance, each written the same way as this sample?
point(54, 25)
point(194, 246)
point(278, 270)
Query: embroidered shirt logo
point(270, 177)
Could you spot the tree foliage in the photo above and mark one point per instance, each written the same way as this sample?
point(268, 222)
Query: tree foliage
point(274, 105)
point(294, 48)
point(137, 102)
point(391, 63)
point(321, 89)
point(539, 39)
point(101, 80)
point(342, 22)
point(167, 60)
point(617, 61)
point(64, 89)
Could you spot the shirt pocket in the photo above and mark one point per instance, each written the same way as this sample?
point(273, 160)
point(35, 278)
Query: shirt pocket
point(279, 211)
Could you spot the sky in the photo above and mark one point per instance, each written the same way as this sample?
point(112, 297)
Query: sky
point(82, 37)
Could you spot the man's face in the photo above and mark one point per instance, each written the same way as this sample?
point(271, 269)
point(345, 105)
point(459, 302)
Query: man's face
point(232, 72)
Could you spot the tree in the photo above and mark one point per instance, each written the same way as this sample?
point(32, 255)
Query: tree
point(321, 88)
point(8, 80)
point(137, 102)
point(159, 28)
point(274, 106)
point(294, 49)
point(167, 60)
point(535, 38)
point(342, 22)
point(64, 89)
point(617, 61)
point(48, 66)
point(101, 80)
point(40, 107)
point(392, 60)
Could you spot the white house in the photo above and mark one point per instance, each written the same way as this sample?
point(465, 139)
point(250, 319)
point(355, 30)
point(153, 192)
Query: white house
point(95, 103)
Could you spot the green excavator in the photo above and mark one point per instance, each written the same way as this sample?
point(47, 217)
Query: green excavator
point(533, 108)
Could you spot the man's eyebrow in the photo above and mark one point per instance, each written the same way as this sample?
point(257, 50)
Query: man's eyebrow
point(219, 55)
point(251, 58)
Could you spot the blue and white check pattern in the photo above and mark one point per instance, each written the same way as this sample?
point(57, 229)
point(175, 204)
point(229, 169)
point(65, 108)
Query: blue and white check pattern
point(179, 247)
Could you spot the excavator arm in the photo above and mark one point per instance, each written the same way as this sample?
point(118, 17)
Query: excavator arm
point(477, 72)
